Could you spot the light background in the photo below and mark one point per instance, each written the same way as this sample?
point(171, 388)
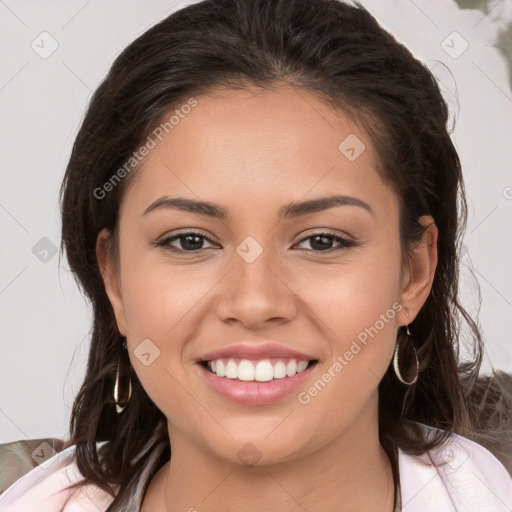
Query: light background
point(44, 323)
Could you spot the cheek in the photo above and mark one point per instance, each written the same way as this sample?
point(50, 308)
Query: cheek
point(159, 296)
point(358, 306)
point(161, 302)
point(360, 338)
point(158, 303)
point(350, 297)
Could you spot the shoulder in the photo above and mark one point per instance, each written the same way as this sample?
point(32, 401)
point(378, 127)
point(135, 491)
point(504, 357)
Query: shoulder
point(458, 475)
point(46, 487)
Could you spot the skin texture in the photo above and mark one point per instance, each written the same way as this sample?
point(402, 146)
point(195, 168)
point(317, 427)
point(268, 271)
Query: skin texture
point(252, 152)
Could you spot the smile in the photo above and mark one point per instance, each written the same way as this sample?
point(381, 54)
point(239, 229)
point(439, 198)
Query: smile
point(255, 382)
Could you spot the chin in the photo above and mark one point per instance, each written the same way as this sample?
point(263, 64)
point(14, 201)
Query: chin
point(258, 447)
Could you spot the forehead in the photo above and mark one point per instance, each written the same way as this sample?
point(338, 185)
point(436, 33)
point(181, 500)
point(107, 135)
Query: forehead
point(254, 147)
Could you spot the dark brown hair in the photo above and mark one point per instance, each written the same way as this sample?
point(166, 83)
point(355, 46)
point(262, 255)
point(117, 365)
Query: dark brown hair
point(340, 53)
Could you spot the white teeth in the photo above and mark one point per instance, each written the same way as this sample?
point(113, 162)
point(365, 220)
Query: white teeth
point(264, 371)
point(279, 370)
point(245, 370)
point(231, 370)
point(291, 368)
point(261, 371)
point(220, 370)
point(302, 365)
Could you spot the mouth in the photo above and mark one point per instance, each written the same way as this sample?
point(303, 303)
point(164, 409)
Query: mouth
point(256, 382)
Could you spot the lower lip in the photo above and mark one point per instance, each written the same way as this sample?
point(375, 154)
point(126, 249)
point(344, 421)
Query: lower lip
point(254, 392)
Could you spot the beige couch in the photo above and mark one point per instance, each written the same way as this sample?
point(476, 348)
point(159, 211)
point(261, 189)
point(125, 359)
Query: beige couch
point(16, 458)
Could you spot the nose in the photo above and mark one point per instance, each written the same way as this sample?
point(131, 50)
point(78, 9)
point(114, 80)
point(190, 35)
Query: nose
point(256, 293)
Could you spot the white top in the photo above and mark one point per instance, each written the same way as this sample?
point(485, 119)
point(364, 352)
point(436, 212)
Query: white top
point(461, 476)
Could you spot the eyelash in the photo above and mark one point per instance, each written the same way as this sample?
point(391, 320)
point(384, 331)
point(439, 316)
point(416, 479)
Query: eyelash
point(165, 243)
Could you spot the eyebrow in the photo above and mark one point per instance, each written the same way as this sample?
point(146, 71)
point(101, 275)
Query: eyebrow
point(288, 211)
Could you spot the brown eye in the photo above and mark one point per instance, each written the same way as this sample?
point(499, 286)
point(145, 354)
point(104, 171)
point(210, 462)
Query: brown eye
point(189, 242)
point(322, 242)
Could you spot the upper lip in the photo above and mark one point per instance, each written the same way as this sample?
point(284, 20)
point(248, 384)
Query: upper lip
point(251, 351)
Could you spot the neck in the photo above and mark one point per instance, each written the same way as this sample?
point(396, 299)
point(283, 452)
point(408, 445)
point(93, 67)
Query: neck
point(352, 472)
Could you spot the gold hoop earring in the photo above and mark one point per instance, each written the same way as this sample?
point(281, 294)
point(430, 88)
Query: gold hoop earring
point(123, 383)
point(395, 361)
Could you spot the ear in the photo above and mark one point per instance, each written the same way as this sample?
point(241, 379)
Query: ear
point(111, 278)
point(418, 273)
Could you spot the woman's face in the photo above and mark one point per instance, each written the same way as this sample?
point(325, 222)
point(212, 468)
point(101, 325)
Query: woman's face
point(266, 277)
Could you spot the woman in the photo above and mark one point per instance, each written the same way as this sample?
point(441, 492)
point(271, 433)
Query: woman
point(261, 205)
